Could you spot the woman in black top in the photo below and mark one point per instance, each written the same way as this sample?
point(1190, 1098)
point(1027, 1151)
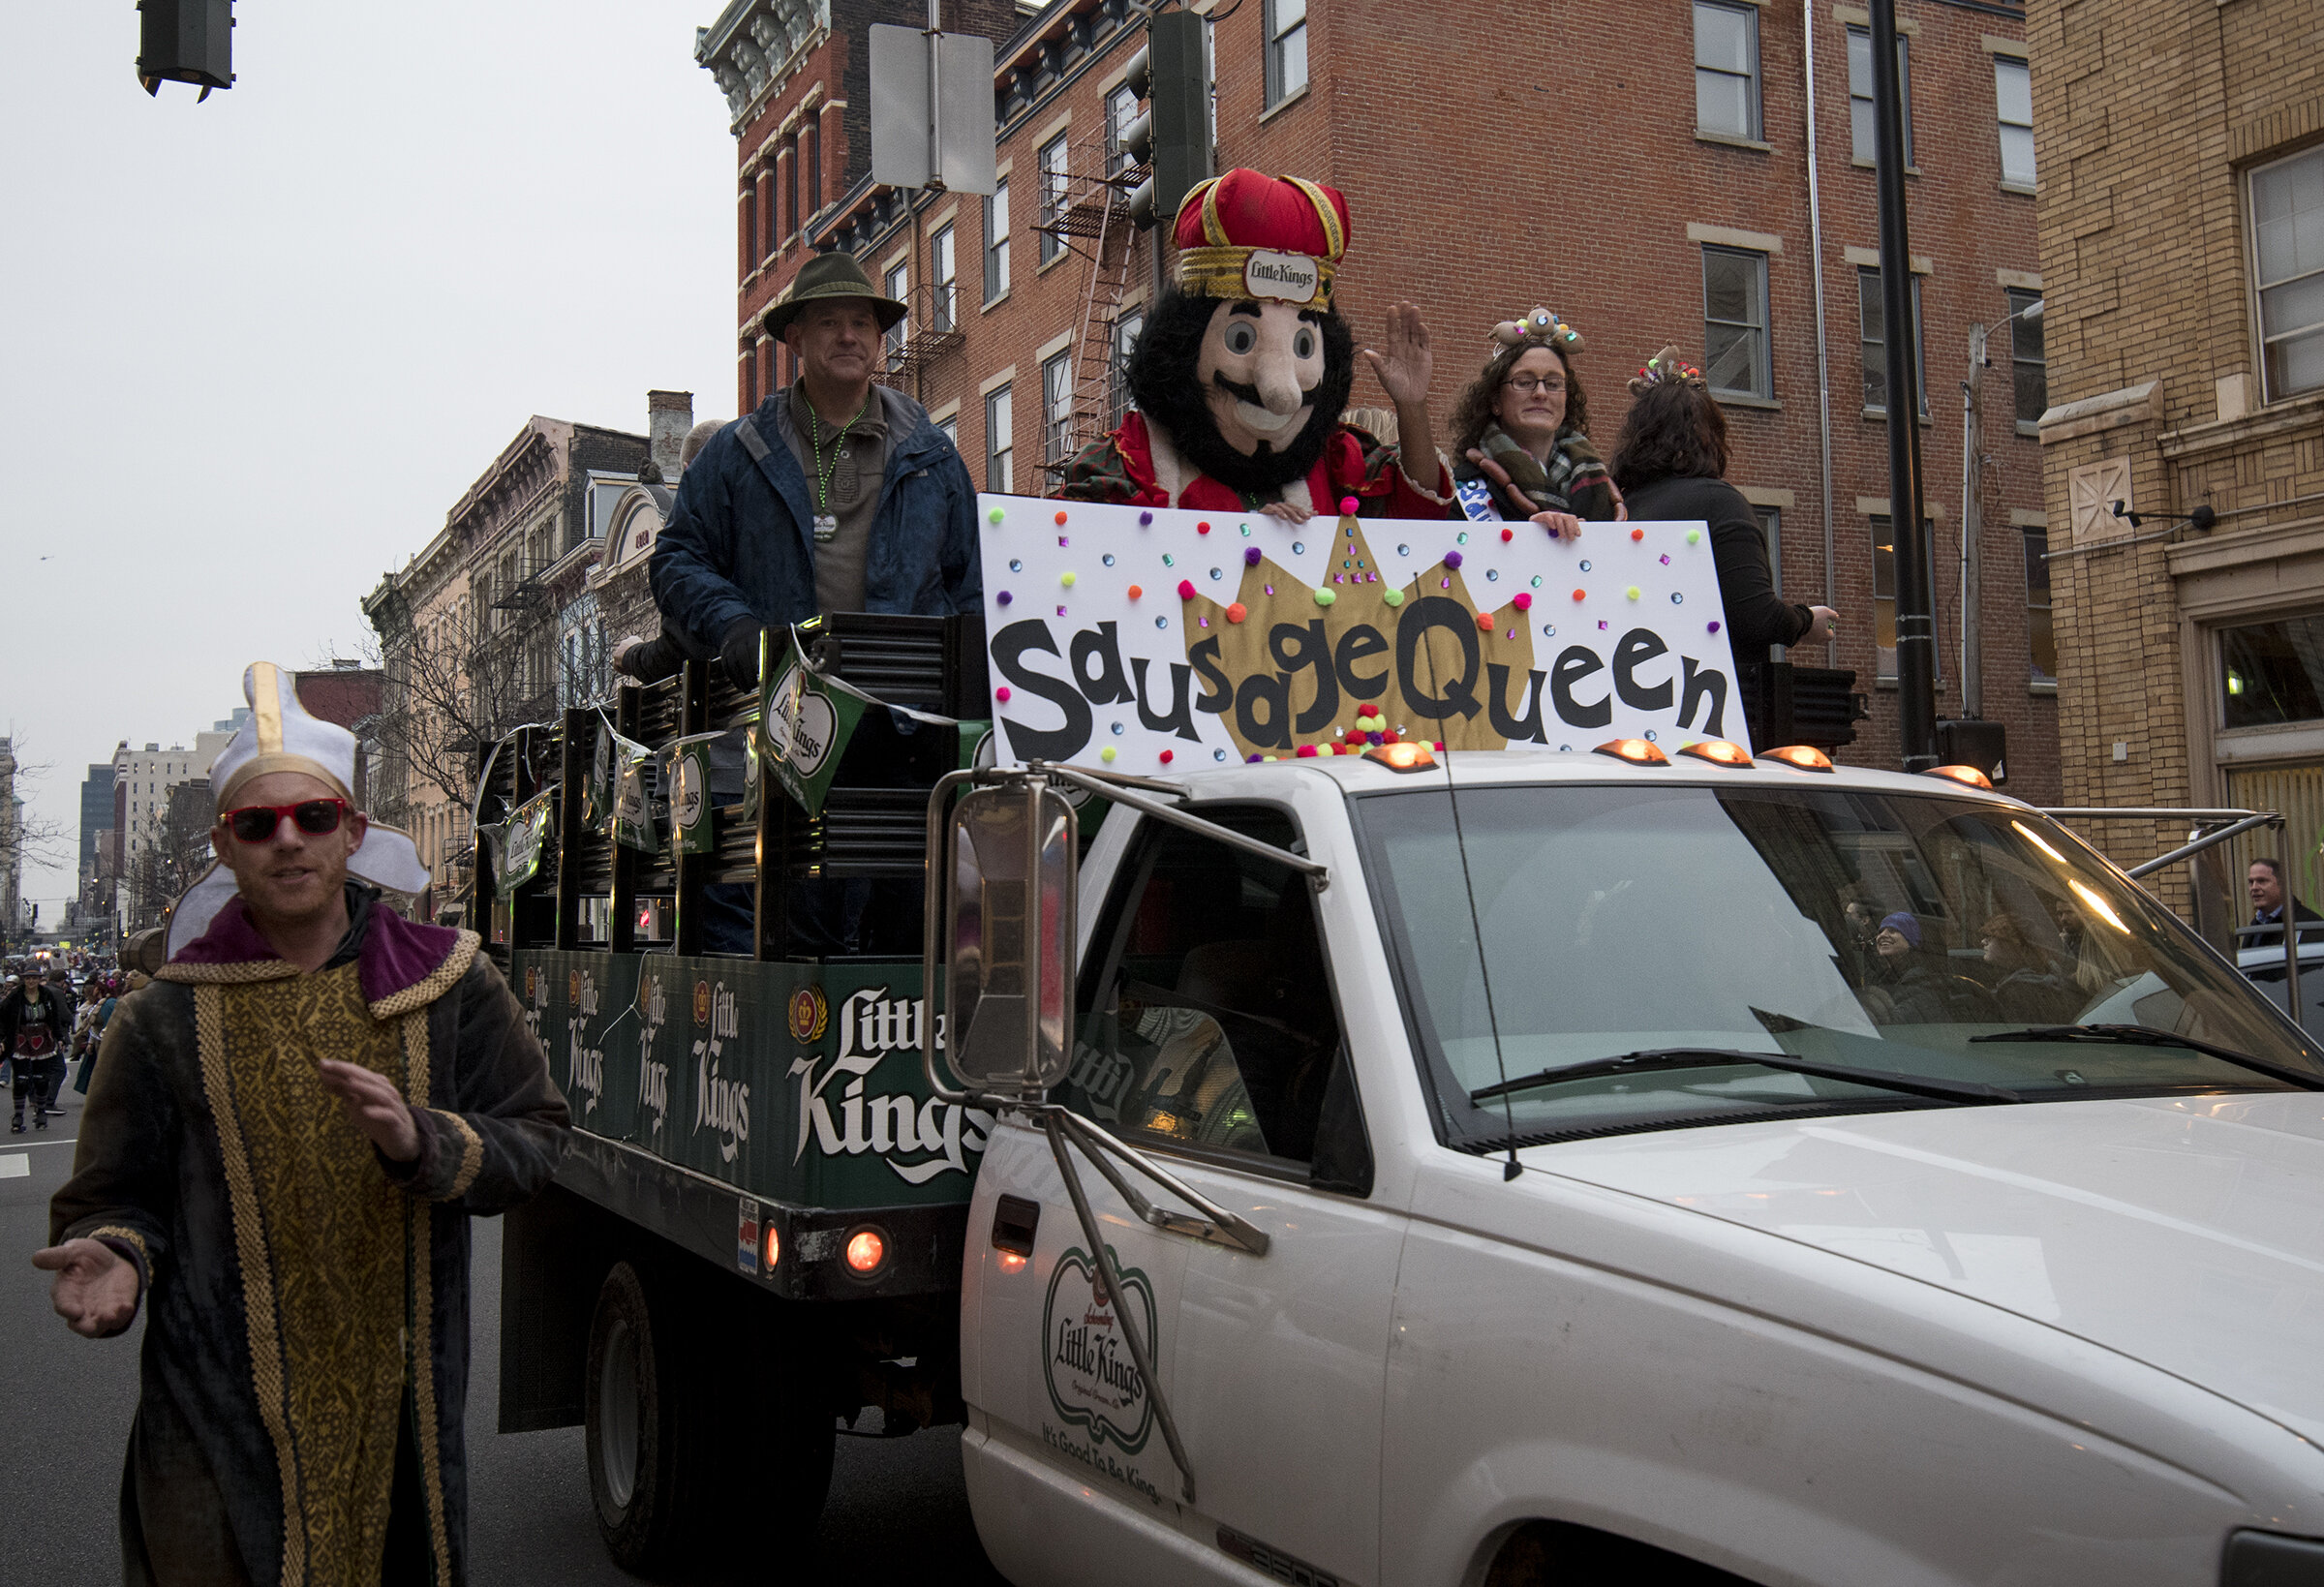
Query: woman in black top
point(1668, 465)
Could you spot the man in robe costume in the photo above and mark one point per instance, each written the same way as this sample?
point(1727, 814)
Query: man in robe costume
point(305, 1366)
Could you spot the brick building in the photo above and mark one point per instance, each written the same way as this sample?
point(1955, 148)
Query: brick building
point(1673, 201)
point(2183, 241)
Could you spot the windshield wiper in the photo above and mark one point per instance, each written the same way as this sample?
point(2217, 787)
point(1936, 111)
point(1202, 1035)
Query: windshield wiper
point(1696, 1058)
point(2150, 1036)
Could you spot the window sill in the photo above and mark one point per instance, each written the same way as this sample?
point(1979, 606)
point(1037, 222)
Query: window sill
point(1879, 415)
point(1889, 684)
point(2021, 191)
point(1053, 262)
point(2026, 427)
point(1862, 164)
point(1744, 398)
point(2042, 690)
point(992, 303)
point(1732, 140)
point(1284, 103)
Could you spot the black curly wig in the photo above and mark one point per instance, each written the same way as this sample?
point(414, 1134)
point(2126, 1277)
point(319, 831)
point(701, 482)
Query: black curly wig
point(1162, 381)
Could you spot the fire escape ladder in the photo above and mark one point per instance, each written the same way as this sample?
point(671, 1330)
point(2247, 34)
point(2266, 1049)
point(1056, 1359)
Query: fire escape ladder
point(1098, 210)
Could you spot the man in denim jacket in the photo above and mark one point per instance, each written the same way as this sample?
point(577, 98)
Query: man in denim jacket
point(834, 494)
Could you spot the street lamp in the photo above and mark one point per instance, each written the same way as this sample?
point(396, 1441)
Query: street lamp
point(1972, 681)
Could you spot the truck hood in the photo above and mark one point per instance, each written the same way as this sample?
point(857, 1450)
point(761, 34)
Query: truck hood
point(2186, 1232)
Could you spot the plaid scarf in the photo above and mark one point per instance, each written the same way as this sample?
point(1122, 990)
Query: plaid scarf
point(1574, 472)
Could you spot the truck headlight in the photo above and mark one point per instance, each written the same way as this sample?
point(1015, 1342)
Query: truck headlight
point(2263, 1559)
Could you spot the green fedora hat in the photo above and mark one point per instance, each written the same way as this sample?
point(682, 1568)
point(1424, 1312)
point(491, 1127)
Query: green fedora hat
point(827, 275)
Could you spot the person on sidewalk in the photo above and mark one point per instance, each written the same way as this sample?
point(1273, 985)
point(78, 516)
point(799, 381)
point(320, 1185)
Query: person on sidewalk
point(36, 1020)
point(2263, 882)
point(295, 1124)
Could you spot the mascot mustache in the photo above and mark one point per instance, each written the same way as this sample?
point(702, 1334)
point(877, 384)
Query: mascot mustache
point(1161, 381)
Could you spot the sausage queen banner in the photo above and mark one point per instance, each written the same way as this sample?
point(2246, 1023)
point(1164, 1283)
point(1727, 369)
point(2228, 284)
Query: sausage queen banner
point(1148, 638)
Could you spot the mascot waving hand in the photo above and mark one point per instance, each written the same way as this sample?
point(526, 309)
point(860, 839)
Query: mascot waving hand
point(1244, 369)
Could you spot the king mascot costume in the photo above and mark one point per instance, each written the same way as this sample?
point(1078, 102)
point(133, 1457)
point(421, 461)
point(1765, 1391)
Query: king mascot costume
point(1244, 369)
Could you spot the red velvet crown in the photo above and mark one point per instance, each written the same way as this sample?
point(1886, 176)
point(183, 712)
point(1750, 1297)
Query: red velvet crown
point(1227, 220)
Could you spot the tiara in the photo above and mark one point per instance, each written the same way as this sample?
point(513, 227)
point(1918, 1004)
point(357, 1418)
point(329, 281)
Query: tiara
point(1541, 327)
point(1664, 368)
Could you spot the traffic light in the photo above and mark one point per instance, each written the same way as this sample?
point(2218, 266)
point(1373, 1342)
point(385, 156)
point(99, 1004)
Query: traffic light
point(186, 40)
point(1171, 75)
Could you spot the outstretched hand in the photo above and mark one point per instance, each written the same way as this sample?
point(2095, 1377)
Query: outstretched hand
point(95, 1290)
point(1404, 370)
point(375, 1106)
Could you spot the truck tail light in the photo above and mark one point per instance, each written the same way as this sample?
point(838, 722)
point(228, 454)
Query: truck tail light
point(867, 1252)
point(773, 1245)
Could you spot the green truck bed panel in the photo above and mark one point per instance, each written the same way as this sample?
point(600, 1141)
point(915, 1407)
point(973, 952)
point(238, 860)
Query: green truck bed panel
point(797, 1082)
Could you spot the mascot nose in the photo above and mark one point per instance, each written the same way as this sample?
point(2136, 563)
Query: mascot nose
point(1278, 384)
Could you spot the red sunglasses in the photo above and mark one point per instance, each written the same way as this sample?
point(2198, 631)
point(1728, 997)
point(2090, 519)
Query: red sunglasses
point(257, 823)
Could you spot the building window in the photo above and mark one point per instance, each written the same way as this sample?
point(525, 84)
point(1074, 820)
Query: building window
point(2013, 103)
point(815, 165)
point(1056, 170)
point(1000, 442)
point(944, 283)
point(2273, 672)
point(2041, 641)
point(1286, 23)
point(2028, 369)
point(1128, 327)
point(790, 190)
point(951, 427)
point(1771, 531)
point(1871, 320)
point(1734, 323)
point(1884, 594)
point(1056, 407)
point(996, 242)
point(2287, 237)
point(1726, 69)
point(769, 237)
point(898, 284)
point(749, 230)
point(1862, 143)
point(1121, 108)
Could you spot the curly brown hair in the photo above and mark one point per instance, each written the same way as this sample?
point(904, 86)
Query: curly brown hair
point(1475, 408)
point(1672, 428)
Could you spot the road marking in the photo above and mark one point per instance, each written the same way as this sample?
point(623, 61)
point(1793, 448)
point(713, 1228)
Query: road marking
point(17, 1166)
point(27, 1145)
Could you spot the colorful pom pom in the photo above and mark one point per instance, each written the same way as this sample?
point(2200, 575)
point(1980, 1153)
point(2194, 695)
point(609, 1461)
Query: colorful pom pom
point(1452, 559)
point(1136, 592)
point(1347, 506)
point(1004, 597)
point(1236, 612)
point(1108, 753)
point(1001, 694)
point(1250, 556)
point(1201, 528)
point(1638, 533)
point(1166, 757)
point(995, 515)
point(1394, 597)
point(1306, 751)
point(1582, 594)
point(1324, 597)
point(1068, 579)
point(1485, 621)
point(1186, 589)
point(1060, 516)
point(1522, 602)
point(1507, 534)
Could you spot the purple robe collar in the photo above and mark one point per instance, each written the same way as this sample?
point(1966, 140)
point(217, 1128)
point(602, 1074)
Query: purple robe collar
point(396, 956)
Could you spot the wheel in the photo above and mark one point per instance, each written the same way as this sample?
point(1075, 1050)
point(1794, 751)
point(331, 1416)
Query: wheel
point(699, 1409)
point(627, 1426)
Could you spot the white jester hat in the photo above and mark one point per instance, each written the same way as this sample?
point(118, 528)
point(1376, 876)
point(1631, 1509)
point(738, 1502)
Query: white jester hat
point(279, 736)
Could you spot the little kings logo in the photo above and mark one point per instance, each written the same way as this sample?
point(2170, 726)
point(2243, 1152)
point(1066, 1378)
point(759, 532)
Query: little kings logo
point(536, 999)
point(585, 1065)
point(891, 1126)
point(800, 723)
point(653, 1077)
point(1093, 1381)
point(808, 1013)
point(1284, 278)
point(722, 1104)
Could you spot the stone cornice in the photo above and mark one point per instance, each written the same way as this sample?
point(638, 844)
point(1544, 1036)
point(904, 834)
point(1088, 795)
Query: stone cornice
point(2294, 416)
point(757, 46)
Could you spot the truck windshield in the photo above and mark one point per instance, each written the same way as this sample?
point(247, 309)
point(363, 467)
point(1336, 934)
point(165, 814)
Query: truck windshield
point(1906, 936)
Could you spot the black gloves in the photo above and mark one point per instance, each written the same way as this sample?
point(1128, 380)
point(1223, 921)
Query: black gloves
point(738, 648)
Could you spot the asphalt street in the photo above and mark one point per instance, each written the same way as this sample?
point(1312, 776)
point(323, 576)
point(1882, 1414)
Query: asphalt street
point(898, 1511)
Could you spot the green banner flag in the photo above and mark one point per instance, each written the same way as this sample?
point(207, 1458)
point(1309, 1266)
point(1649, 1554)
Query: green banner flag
point(690, 818)
point(521, 843)
point(804, 728)
point(632, 806)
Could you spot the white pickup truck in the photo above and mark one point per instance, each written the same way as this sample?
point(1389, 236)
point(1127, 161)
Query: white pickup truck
point(1579, 1168)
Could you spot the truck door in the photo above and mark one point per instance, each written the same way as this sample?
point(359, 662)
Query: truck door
point(1208, 1037)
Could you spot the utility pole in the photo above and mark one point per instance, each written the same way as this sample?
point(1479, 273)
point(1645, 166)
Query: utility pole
point(1972, 523)
point(1915, 612)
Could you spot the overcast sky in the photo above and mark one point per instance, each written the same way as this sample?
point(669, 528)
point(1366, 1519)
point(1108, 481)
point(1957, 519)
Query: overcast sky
point(252, 350)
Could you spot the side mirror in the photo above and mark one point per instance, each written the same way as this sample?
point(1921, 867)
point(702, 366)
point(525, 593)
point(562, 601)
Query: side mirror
point(1009, 936)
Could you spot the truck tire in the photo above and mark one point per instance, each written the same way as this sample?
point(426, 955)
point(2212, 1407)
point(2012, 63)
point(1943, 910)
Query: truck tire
point(630, 1424)
point(696, 1415)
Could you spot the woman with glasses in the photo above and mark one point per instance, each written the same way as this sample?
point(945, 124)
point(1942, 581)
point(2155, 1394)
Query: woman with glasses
point(1669, 466)
point(1522, 447)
